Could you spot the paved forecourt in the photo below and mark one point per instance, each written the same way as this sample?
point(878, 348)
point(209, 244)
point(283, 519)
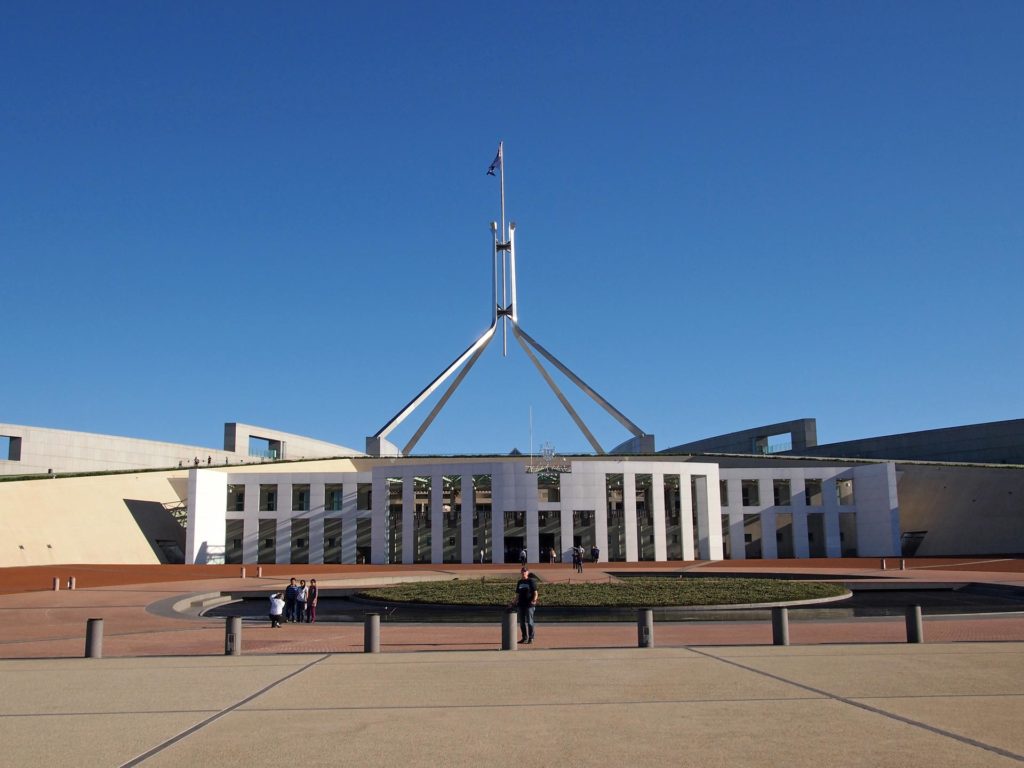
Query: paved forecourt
point(836, 705)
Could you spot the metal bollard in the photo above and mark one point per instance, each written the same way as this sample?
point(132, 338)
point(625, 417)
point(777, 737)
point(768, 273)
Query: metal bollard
point(71, 582)
point(371, 633)
point(94, 639)
point(903, 564)
point(645, 628)
point(259, 571)
point(508, 631)
point(56, 583)
point(233, 636)
point(242, 574)
point(883, 564)
point(915, 629)
point(780, 626)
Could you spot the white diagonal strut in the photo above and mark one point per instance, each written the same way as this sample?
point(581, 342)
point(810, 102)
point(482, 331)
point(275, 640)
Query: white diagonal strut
point(504, 307)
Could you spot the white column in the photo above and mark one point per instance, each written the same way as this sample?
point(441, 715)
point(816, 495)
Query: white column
point(686, 517)
point(408, 518)
point(466, 519)
point(498, 491)
point(316, 514)
point(703, 524)
point(769, 529)
point(207, 515)
point(629, 515)
point(532, 524)
point(282, 535)
point(437, 518)
point(284, 523)
point(251, 526)
point(658, 510)
point(378, 516)
point(713, 514)
point(736, 540)
point(833, 544)
point(565, 522)
point(801, 545)
point(349, 512)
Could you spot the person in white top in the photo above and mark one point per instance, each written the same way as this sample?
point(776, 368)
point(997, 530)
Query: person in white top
point(276, 609)
point(300, 601)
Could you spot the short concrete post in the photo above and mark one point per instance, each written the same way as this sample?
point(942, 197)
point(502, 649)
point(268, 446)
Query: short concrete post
point(94, 639)
point(233, 636)
point(508, 631)
point(882, 566)
point(780, 626)
point(915, 629)
point(56, 583)
point(71, 582)
point(645, 628)
point(371, 633)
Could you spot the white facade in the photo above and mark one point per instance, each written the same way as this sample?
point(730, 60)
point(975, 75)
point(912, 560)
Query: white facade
point(473, 510)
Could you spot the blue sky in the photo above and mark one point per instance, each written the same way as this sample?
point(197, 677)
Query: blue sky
point(728, 214)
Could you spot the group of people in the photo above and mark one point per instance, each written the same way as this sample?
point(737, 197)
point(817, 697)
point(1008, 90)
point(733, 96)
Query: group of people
point(296, 604)
point(577, 557)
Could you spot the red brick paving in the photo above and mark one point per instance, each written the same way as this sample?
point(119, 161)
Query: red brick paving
point(39, 623)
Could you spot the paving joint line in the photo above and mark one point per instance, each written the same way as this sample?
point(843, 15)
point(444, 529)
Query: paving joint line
point(213, 718)
point(874, 710)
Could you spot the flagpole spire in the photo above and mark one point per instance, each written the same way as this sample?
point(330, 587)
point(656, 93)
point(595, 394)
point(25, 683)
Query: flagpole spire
point(501, 172)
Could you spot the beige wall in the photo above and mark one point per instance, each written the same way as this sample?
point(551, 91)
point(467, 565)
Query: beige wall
point(85, 519)
point(966, 510)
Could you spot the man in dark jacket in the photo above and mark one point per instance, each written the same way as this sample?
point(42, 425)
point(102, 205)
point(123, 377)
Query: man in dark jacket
point(290, 593)
point(526, 604)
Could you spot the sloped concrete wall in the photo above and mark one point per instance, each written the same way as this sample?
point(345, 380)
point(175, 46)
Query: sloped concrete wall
point(86, 519)
point(966, 510)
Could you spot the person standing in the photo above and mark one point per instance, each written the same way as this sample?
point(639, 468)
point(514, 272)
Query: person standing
point(289, 600)
point(311, 597)
point(276, 609)
point(300, 601)
point(595, 553)
point(522, 556)
point(526, 604)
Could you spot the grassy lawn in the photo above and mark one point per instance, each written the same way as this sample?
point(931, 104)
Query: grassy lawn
point(636, 593)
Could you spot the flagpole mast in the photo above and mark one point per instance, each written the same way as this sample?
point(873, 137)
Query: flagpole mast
point(501, 170)
point(504, 253)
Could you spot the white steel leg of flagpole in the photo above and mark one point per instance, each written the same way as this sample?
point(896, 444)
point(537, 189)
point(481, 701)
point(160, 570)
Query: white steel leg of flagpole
point(438, 381)
point(558, 393)
point(584, 387)
point(377, 441)
point(444, 399)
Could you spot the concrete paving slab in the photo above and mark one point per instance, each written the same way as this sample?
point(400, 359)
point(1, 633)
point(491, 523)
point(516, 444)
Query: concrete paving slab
point(946, 670)
point(512, 679)
point(657, 707)
point(86, 740)
point(994, 720)
point(97, 686)
point(690, 727)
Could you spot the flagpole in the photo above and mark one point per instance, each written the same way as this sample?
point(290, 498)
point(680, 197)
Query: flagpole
point(504, 254)
point(501, 170)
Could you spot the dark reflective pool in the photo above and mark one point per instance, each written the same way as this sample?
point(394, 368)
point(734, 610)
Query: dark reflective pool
point(863, 603)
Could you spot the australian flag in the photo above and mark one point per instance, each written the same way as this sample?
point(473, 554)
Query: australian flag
point(496, 163)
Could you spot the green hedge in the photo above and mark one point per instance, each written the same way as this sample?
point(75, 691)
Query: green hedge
point(633, 592)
